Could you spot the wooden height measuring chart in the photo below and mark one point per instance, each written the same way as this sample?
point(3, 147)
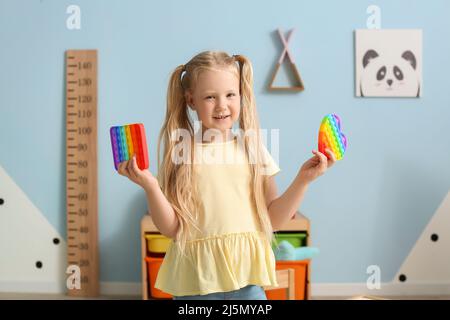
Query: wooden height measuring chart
point(81, 166)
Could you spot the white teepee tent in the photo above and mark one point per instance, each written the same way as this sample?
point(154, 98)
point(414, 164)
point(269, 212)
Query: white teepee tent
point(429, 260)
point(32, 252)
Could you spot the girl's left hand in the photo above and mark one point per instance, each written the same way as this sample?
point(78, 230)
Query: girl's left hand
point(317, 165)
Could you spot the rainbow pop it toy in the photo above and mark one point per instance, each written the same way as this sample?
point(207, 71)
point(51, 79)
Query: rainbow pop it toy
point(331, 137)
point(128, 140)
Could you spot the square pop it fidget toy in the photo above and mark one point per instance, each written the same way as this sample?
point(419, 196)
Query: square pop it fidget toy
point(128, 140)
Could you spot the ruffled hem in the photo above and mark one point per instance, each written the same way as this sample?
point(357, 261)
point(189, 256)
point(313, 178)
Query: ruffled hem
point(217, 264)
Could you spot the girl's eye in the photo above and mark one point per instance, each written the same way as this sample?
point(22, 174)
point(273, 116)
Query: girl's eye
point(231, 94)
point(209, 97)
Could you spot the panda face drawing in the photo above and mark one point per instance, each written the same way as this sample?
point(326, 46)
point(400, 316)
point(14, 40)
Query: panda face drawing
point(389, 77)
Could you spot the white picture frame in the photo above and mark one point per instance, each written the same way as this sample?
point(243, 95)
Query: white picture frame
point(388, 63)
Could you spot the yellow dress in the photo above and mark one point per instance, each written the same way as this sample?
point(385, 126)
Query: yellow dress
point(230, 252)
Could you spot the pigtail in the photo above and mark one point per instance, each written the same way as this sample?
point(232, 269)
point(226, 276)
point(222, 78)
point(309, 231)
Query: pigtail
point(253, 144)
point(249, 120)
point(172, 177)
point(175, 100)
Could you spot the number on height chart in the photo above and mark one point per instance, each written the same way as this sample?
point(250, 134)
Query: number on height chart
point(82, 196)
point(84, 113)
point(84, 65)
point(82, 164)
point(85, 99)
point(85, 82)
point(84, 130)
point(84, 263)
point(84, 229)
point(82, 180)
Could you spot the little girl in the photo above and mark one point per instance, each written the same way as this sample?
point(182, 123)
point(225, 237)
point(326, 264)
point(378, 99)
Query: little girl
point(220, 215)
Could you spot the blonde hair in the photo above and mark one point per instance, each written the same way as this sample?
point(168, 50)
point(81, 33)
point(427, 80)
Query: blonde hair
point(174, 178)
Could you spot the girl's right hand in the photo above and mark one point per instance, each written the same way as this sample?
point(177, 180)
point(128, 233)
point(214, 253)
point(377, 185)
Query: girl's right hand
point(129, 169)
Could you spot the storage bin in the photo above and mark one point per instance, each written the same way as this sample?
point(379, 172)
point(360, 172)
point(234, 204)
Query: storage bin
point(157, 243)
point(301, 280)
point(297, 239)
point(153, 265)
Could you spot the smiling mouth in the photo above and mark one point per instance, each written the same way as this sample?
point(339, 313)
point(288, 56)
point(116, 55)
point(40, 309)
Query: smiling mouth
point(221, 117)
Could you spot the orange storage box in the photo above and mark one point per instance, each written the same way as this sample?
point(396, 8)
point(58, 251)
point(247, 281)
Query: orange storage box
point(301, 277)
point(153, 265)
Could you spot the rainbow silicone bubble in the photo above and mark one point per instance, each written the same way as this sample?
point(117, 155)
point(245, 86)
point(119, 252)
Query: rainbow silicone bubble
point(331, 137)
point(128, 140)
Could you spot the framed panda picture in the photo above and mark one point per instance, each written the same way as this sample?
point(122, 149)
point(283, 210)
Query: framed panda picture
point(388, 62)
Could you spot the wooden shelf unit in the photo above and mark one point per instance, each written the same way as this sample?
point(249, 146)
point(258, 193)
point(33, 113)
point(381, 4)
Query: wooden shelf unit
point(299, 223)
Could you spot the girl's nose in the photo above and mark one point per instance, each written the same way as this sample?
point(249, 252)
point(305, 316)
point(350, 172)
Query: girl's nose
point(222, 103)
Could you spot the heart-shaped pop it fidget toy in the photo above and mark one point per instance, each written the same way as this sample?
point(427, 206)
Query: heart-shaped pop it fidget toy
point(331, 137)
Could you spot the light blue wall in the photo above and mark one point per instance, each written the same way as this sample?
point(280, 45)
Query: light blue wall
point(369, 209)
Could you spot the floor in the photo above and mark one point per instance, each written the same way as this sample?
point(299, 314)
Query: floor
point(43, 296)
point(30, 296)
